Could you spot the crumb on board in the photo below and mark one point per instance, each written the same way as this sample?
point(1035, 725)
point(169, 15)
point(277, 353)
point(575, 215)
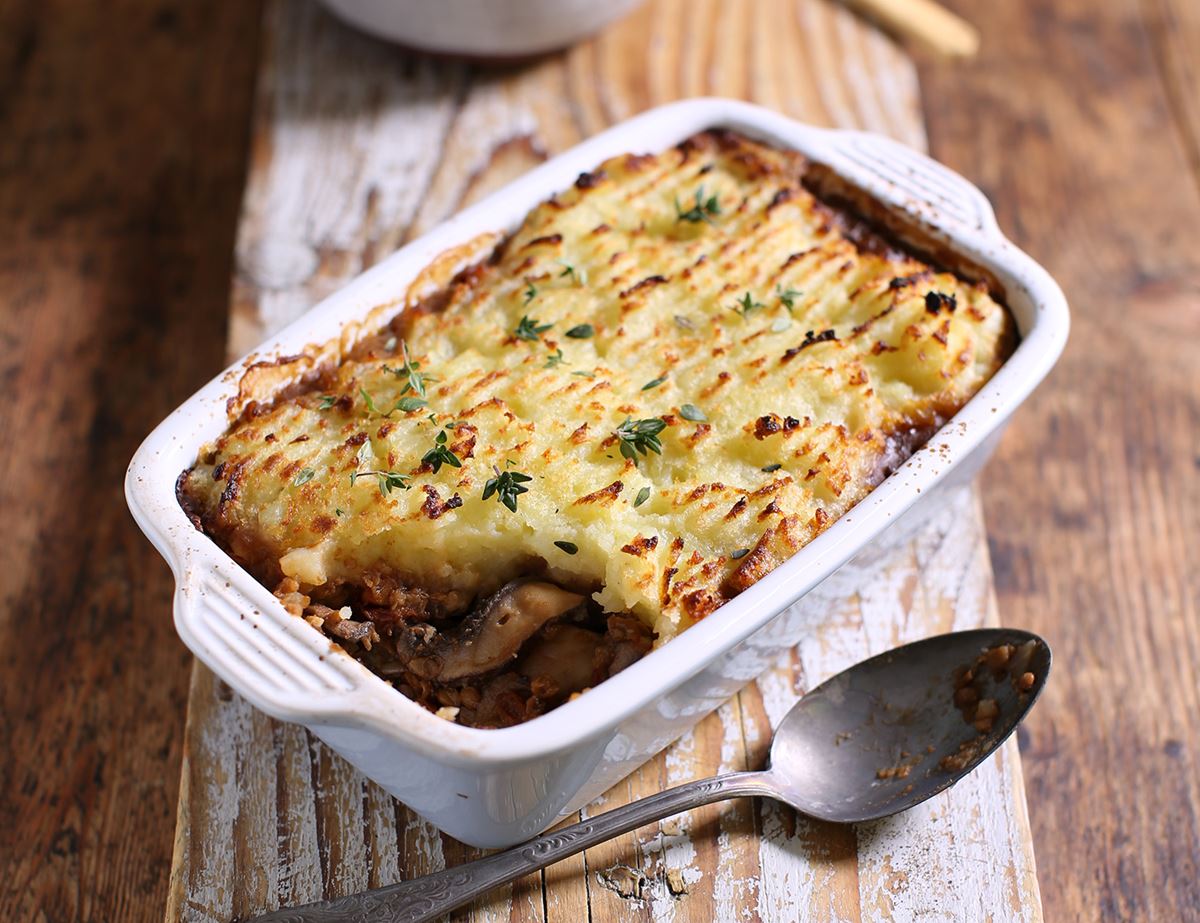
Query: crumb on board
point(676, 883)
point(627, 882)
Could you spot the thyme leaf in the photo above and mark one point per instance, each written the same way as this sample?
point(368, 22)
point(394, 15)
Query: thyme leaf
point(370, 402)
point(578, 276)
point(693, 413)
point(582, 332)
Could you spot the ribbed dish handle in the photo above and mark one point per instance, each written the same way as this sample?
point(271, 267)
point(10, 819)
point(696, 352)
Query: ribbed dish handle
point(903, 177)
point(243, 634)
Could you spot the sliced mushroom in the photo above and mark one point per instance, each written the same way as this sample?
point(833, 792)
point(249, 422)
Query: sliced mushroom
point(563, 654)
point(489, 637)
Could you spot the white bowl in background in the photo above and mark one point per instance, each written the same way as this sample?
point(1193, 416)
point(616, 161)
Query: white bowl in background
point(482, 28)
point(497, 787)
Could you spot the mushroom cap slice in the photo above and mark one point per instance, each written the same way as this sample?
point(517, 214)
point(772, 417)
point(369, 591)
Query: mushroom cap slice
point(489, 637)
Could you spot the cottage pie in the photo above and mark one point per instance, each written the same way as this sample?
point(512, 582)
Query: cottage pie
point(666, 381)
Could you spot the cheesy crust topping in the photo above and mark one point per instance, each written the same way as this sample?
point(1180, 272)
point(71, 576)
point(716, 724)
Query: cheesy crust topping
point(693, 362)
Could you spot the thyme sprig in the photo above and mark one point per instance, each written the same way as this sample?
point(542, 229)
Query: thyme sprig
point(407, 404)
point(787, 297)
point(507, 486)
point(415, 379)
point(440, 454)
point(746, 305)
point(703, 209)
point(530, 329)
point(640, 436)
point(388, 480)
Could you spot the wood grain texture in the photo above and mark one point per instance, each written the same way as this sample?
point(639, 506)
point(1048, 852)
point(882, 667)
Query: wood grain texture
point(379, 148)
point(1173, 30)
point(121, 169)
point(1093, 508)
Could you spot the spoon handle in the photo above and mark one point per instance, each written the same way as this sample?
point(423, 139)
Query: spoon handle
point(431, 896)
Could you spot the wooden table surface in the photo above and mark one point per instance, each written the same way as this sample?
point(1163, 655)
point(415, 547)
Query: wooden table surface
point(268, 815)
point(123, 131)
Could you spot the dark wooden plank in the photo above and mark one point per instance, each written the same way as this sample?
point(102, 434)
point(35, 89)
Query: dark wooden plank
point(1174, 31)
point(1070, 121)
point(122, 139)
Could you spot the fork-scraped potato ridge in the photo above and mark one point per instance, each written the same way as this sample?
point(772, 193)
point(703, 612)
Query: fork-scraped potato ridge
point(817, 364)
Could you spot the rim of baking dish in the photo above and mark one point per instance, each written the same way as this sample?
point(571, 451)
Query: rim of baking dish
point(291, 671)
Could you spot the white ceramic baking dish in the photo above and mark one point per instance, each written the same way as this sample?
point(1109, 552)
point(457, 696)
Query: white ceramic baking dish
point(497, 787)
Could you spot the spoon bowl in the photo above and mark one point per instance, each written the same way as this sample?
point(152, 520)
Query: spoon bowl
point(887, 733)
point(876, 739)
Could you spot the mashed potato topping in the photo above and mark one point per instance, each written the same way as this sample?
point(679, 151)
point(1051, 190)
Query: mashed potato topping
point(670, 378)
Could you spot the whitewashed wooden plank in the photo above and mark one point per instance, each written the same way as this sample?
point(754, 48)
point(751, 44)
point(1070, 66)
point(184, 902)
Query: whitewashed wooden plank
point(300, 878)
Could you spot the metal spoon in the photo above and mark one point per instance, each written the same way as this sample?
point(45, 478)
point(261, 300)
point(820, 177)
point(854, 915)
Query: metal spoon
point(876, 739)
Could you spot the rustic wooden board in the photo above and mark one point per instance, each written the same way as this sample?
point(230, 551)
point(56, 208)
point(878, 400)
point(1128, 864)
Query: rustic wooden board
point(358, 147)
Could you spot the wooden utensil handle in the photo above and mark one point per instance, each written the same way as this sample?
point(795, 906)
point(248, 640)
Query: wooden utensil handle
point(924, 21)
